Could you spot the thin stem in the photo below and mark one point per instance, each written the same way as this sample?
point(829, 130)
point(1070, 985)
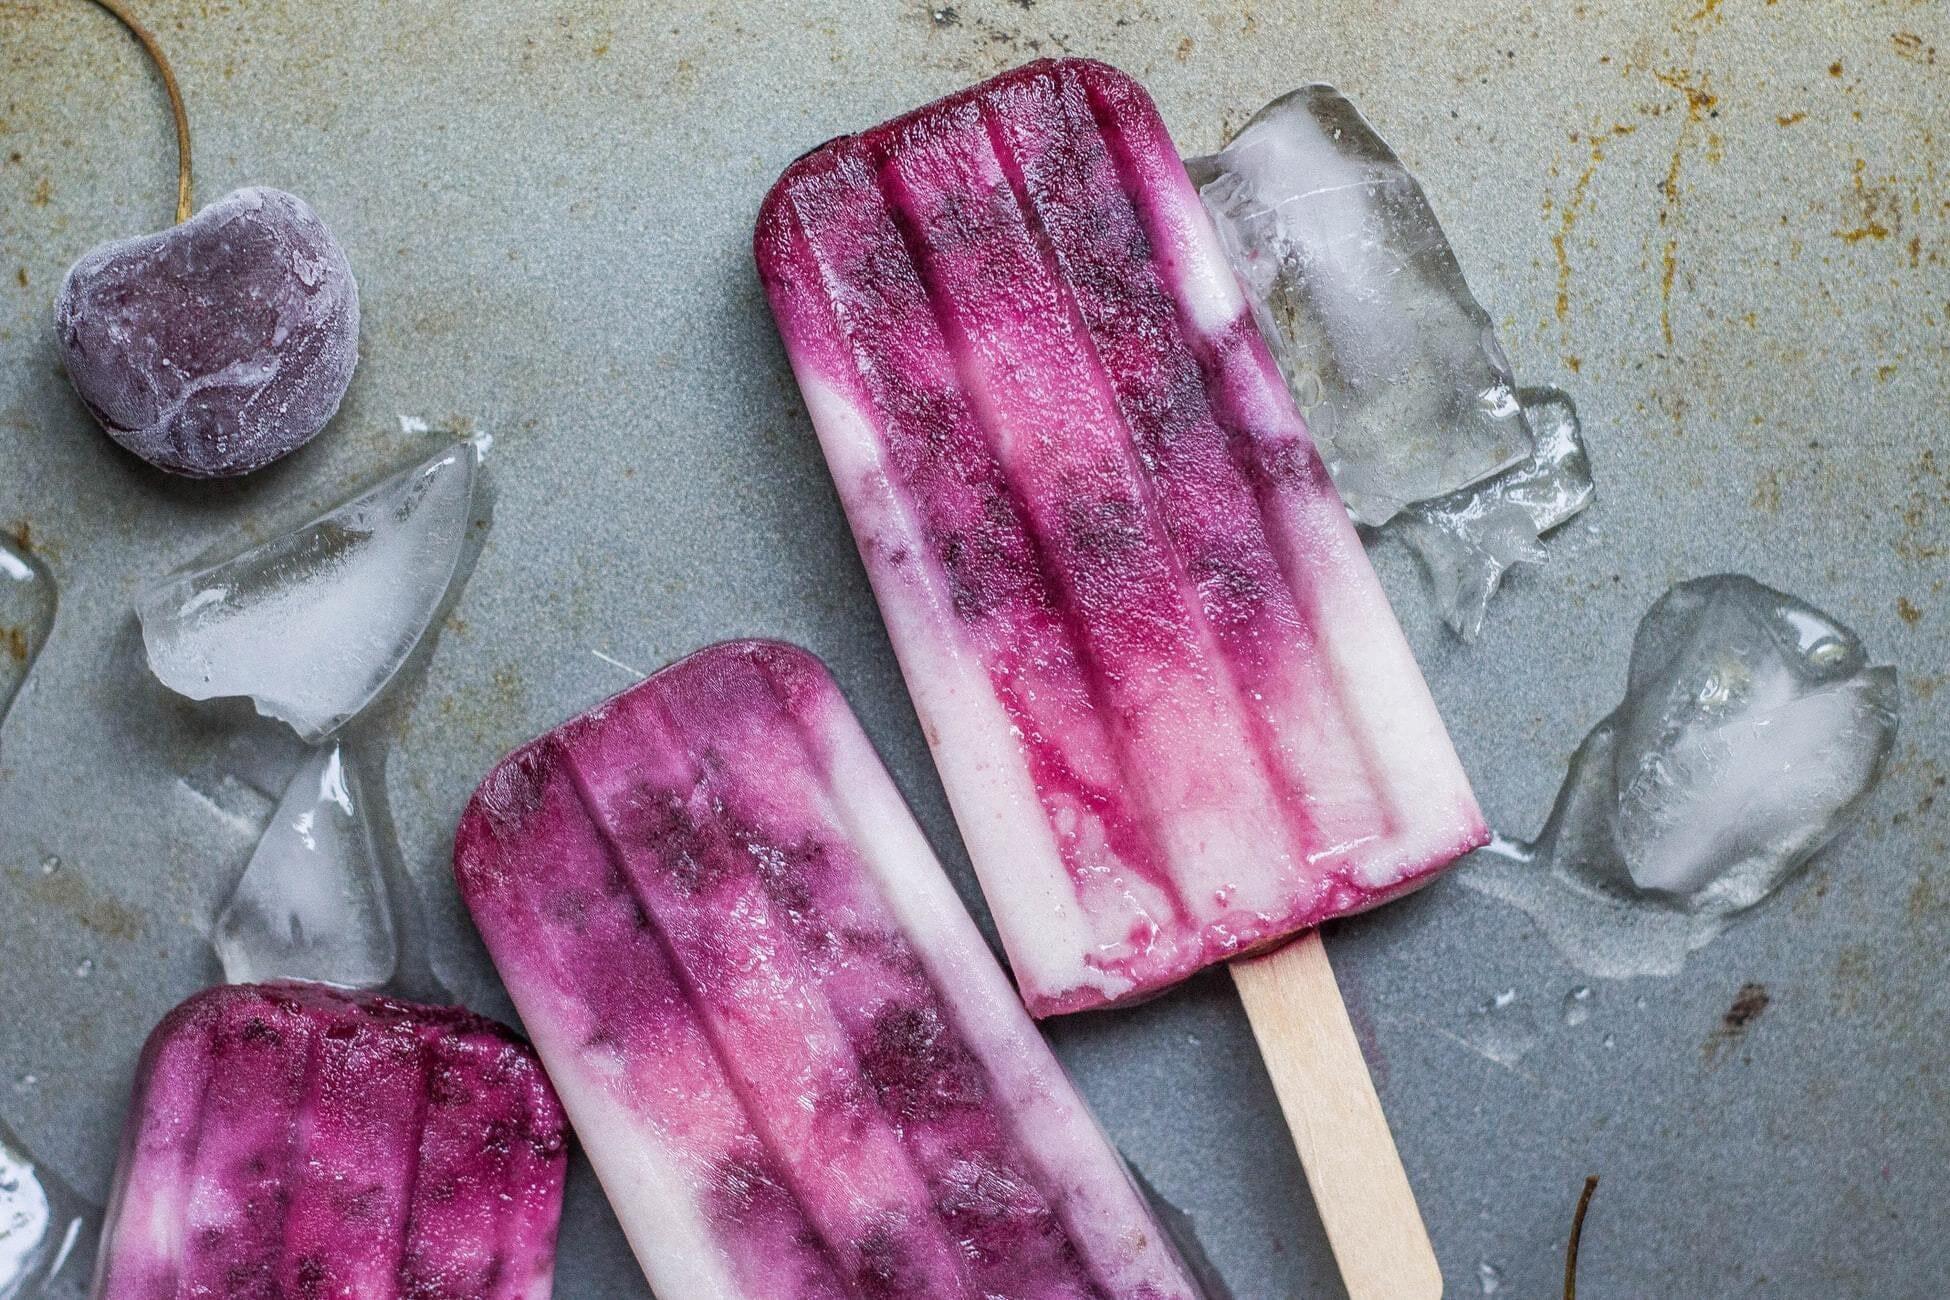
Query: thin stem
point(1577, 1231)
point(143, 34)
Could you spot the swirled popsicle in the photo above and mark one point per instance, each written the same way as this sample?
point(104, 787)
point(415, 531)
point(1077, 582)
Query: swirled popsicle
point(795, 1065)
point(291, 1140)
point(1171, 706)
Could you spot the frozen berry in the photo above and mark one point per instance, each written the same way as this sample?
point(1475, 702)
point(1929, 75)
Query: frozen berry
point(215, 347)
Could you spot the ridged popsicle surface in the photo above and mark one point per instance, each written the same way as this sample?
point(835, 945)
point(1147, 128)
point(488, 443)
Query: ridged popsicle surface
point(794, 1063)
point(292, 1142)
point(1175, 716)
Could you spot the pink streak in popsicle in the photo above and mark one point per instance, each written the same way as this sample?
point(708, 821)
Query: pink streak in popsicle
point(1170, 704)
point(290, 1140)
point(797, 1068)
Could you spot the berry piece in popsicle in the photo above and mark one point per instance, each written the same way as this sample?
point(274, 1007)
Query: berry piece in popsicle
point(797, 1068)
point(292, 1140)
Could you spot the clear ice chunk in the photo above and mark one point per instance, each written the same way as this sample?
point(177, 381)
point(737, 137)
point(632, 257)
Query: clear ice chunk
point(1753, 727)
point(44, 1227)
point(312, 904)
point(26, 616)
point(1394, 363)
point(1469, 538)
point(313, 624)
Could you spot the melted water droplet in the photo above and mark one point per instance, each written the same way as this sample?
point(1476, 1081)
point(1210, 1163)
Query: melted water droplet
point(1577, 1005)
point(27, 600)
point(1501, 1030)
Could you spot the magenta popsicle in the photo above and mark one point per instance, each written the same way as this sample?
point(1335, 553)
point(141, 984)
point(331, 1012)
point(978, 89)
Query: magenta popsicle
point(799, 1071)
point(1169, 702)
point(290, 1140)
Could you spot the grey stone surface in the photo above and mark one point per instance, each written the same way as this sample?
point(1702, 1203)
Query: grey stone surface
point(1721, 226)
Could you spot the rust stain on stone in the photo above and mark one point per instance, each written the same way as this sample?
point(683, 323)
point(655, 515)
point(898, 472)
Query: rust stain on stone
point(1700, 103)
point(1910, 46)
point(1748, 1005)
point(1767, 492)
point(1574, 207)
point(1877, 209)
point(1919, 542)
point(96, 911)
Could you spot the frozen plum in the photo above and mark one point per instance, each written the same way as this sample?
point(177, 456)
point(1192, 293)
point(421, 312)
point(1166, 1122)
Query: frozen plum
point(217, 346)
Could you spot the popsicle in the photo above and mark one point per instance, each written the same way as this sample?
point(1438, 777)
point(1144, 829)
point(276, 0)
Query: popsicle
point(1171, 707)
point(290, 1140)
point(797, 1069)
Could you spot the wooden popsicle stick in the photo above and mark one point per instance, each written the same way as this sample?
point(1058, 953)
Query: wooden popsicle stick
point(1356, 1174)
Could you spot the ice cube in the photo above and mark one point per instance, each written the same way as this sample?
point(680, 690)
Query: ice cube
point(1469, 538)
point(43, 1227)
point(312, 904)
point(1753, 725)
point(312, 625)
point(1394, 363)
point(26, 616)
point(1752, 729)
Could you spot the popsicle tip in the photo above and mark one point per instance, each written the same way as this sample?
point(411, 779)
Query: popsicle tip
point(207, 1010)
point(512, 791)
point(772, 232)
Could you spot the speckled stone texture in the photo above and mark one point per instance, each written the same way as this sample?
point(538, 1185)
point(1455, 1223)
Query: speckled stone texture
point(658, 487)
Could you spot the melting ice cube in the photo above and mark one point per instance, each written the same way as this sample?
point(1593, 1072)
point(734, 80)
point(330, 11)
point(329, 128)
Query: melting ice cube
point(1468, 538)
point(1392, 360)
point(43, 1225)
point(1752, 729)
point(312, 903)
point(26, 616)
point(313, 624)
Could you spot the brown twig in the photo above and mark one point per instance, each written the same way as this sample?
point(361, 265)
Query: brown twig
point(154, 50)
point(1577, 1231)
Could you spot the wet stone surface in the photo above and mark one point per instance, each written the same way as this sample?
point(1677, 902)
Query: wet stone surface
point(1759, 372)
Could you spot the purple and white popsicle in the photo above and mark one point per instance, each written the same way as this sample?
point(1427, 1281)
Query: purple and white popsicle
point(291, 1140)
point(1171, 707)
point(799, 1072)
